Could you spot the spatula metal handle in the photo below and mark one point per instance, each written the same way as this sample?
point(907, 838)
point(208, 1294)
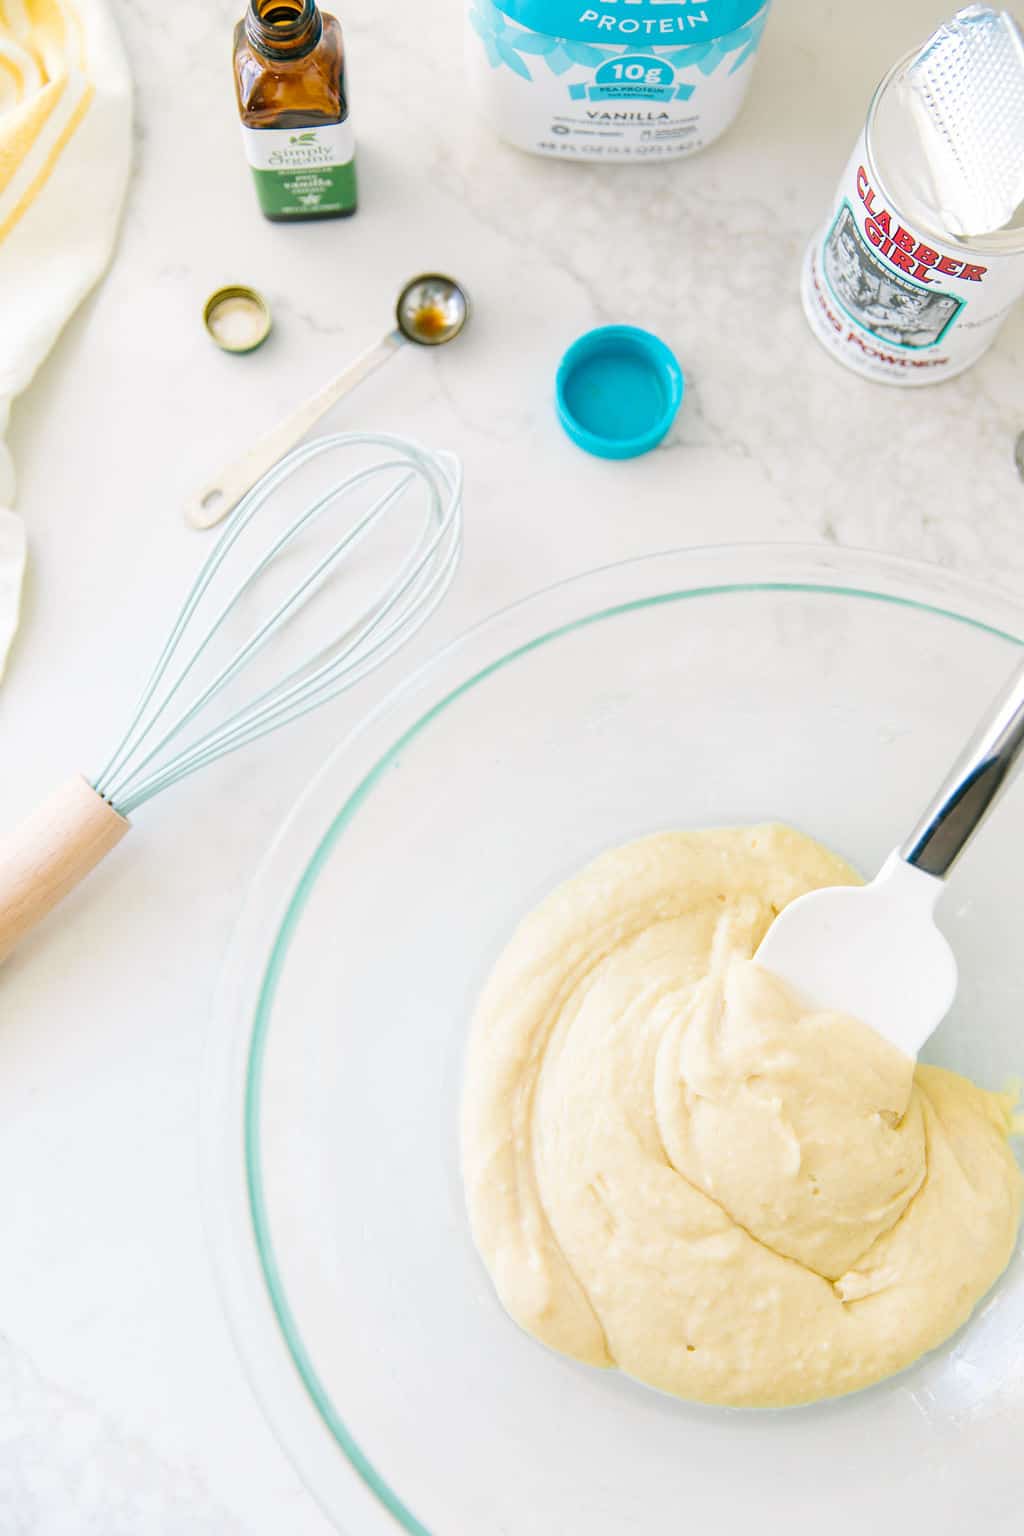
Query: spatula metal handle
point(975, 782)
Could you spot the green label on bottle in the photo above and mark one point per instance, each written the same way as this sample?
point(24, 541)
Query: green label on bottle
point(302, 172)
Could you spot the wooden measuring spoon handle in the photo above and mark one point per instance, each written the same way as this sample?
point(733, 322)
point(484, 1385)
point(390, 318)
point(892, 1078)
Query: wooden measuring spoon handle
point(48, 853)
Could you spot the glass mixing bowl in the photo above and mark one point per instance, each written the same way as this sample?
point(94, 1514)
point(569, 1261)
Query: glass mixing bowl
point(823, 688)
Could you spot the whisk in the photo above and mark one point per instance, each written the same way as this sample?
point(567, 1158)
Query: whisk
point(167, 738)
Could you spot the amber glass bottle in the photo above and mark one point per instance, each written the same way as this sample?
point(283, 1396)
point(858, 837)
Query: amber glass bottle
point(289, 70)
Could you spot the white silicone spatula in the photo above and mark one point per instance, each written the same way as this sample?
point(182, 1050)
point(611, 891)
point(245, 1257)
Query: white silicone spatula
point(874, 951)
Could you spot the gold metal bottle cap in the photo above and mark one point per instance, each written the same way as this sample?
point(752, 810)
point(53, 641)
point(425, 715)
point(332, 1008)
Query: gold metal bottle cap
point(237, 318)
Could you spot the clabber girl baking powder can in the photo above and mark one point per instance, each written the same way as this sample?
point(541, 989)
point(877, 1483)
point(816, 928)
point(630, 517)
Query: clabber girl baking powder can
point(886, 288)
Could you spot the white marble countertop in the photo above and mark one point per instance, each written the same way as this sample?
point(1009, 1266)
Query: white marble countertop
point(123, 1411)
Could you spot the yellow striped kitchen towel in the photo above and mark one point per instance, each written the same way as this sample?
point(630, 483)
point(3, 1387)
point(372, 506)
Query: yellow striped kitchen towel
point(65, 153)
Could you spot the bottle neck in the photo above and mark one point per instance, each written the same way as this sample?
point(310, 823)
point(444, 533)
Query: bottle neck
point(283, 29)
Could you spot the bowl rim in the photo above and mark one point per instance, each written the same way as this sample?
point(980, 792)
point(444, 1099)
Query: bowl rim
point(266, 1334)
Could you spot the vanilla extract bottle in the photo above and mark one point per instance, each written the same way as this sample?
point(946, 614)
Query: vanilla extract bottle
point(291, 88)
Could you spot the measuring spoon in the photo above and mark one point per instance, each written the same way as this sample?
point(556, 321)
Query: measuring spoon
point(431, 310)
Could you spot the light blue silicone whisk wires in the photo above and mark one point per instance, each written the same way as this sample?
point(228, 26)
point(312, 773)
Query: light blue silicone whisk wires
point(152, 755)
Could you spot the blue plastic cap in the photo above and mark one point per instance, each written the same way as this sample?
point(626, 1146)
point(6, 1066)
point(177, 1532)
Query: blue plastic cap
point(618, 391)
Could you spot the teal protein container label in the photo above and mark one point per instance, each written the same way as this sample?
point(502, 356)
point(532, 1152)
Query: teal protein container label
point(301, 172)
point(615, 79)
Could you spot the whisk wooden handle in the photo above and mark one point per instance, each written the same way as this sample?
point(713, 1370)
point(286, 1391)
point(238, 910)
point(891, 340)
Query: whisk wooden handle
point(47, 855)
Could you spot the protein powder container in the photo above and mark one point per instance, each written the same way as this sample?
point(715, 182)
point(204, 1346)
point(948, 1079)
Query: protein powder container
point(921, 257)
point(615, 79)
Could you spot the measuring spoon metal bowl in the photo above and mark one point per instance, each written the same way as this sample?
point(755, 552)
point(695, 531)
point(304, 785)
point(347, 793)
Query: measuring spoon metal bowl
point(432, 309)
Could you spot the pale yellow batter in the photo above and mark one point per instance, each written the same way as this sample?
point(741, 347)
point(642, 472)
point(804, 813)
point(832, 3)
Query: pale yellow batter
point(673, 1168)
